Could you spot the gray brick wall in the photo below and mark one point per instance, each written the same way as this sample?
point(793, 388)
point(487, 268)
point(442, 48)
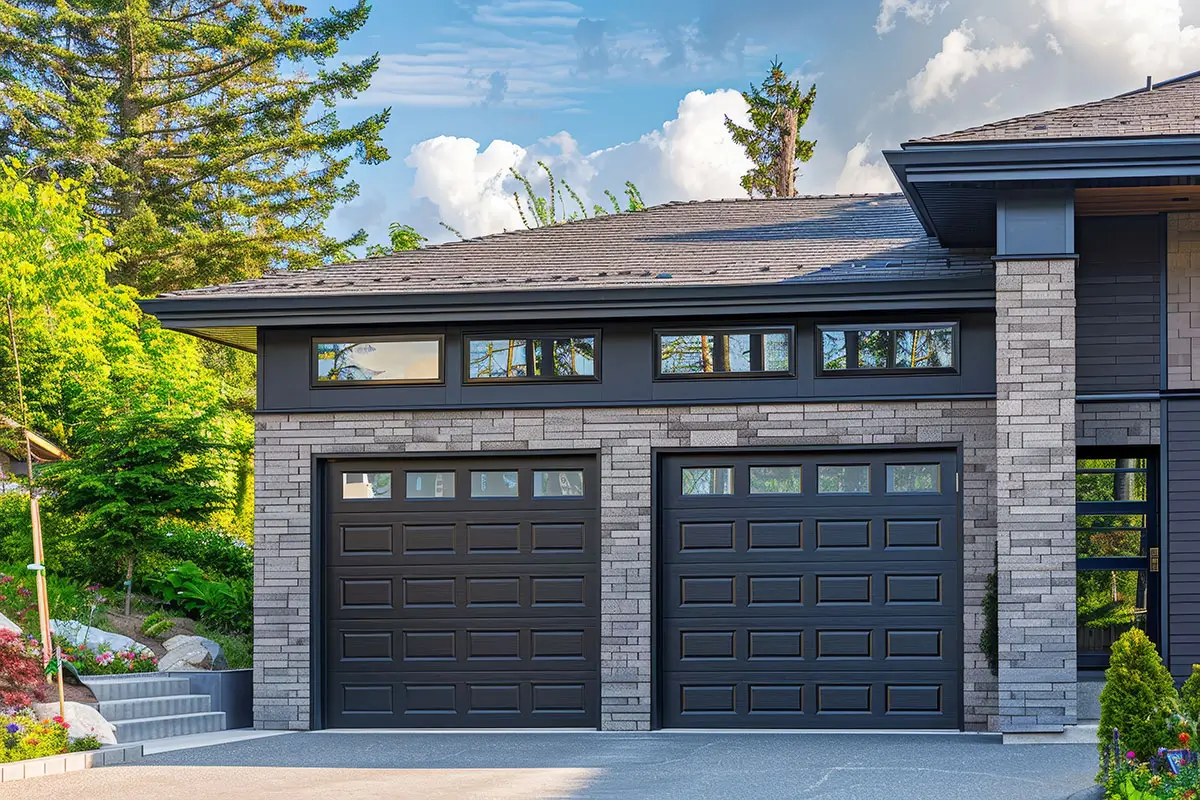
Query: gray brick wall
point(625, 437)
point(1183, 301)
point(1035, 482)
point(1114, 424)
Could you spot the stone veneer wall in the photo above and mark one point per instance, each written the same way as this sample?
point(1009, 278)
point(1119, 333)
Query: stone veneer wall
point(1117, 423)
point(286, 443)
point(1035, 481)
point(1183, 301)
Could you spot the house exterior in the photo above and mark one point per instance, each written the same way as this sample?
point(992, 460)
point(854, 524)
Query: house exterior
point(744, 464)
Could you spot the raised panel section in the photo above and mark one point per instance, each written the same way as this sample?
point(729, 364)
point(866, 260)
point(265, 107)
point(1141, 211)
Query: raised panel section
point(366, 699)
point(776, 644)
point(706, 591)
point(366, 645)
point(429, 592)
point(914, 644)
point(706, 536)
point(708, 699)
point(426, 698)
point(776, 535)
point(366, 540)
point(843, 644)
point(914, 589)
point(493, 645)
point(428, 539)
point(566, 591)
point(493, 698)
point(366, 593)
point(843, 535)
point(558, 698)
point(766, 699)
point(705, 644)
point(914, 699)
point(775, 590)
point(844, 699)
point(558, 538)
point(493, 592)
point(493, 538)
point(429, 646)
point(558, 645)
point(913, 533)
point(843, 589)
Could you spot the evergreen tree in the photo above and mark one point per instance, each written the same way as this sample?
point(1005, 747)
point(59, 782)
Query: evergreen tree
point(778, 110)
point(208, 126)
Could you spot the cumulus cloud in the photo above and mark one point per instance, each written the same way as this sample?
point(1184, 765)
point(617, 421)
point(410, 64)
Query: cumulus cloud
point(957, 62)
point(690, 157)
point(862, 174)
point(1144, 36)
point(1053, 45)
point(889, 10)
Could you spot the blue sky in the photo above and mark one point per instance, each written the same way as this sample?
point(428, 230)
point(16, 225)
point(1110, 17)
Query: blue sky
point(615, 90)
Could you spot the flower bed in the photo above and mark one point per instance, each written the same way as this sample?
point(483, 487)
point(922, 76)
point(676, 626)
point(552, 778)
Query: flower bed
point(23, 737)
point(1126, 778)
point(107, 662)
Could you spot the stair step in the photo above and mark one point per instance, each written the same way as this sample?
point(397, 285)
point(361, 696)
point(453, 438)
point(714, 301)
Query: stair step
point(121, 687)
point(164, 706)
point(140, 730)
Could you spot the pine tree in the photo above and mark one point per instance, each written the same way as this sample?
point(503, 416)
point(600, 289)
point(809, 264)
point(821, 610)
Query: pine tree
point(778, 110)
point(207, 126)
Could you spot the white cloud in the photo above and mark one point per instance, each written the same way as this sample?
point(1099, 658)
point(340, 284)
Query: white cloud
point(919, 10)
point(1053, 45)
point(690, 158)
point(529, 13)
point(957, 62)
point(1142, 36)
point(862, 174)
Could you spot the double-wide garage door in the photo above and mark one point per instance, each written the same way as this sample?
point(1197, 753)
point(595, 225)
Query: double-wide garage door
point(810, 591)
point(462, 593)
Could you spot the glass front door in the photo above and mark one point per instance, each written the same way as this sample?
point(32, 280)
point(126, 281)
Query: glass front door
point(1117, 550)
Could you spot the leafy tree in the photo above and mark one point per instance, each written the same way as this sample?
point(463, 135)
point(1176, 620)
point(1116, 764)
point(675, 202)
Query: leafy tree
point(778, 110)
point(1138, 697)
point(403, 237)
point(208, 125)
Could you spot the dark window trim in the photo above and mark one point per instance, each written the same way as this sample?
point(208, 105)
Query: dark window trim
point(756, 351)
point(852, 351)
point(529, 339)
point(410, 337)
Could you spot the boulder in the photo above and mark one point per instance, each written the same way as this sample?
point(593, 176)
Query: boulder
point(83, 719)
point(95, 639)
point(186, 654)
point(8, 624)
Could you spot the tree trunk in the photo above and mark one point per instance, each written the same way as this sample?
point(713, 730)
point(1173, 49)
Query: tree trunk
point(129, 586)
point(785, 165)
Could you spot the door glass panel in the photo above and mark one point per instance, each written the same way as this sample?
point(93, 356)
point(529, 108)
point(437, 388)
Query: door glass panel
point(558, 483)
point(914, 478)
point(366, 485)
point(428, 484)
point(1103, 480)
point(494, 483)
point(844, 479)
point(1108, 603)
point(775, 480)
point(707, 480)
point(1106, 535)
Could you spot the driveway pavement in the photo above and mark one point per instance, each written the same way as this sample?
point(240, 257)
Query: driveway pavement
point(595, 765)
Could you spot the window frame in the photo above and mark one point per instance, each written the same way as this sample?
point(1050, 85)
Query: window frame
point(724, 330)
point(529, 339)
point(856, 371)
point(316, 383)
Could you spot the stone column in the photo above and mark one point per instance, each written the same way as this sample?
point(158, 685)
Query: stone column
point(1035, 478)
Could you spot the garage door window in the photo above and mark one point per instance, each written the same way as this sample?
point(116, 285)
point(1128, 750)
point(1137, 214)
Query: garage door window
point(775, 480)
point(366, 485)
point(488, 483)
point(707, 480)
point(843, 479)
point(558, 483)
point(433, 485)
point(913, 479)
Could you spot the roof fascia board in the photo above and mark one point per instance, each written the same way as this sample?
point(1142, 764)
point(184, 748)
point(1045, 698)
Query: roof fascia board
point(1037, 150)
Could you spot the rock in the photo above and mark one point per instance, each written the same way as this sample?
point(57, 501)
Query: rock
point(182, 640)
point(95, 639)
point(8, 624)
point(186, 654)
point(83, 719)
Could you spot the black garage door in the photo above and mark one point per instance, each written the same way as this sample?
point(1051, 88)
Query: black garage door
point(810, 590)
point(462, 593)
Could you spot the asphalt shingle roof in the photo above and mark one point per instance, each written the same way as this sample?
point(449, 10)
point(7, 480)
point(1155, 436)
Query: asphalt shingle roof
point(720, 242)
point(1170, 108)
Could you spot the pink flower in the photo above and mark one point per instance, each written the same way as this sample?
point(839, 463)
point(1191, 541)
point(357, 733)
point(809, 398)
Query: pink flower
point(104, 659)
point(1131, 755)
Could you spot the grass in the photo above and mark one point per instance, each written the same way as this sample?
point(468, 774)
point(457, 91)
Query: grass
point(239, 649)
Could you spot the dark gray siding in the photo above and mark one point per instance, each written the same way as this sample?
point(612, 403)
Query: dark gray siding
point(1183, 534)
point(1118, 300)
point(627, 367)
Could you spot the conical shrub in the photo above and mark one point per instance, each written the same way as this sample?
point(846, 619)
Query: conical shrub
point(1138, 698)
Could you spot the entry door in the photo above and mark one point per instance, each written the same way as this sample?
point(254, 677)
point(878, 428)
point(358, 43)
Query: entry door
point(810, 590)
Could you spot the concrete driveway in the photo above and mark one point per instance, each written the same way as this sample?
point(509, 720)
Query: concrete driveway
point(595, 765)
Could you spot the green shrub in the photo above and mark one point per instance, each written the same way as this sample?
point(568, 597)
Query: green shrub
point(69, 599)
point(69, 553)
point(238, 648)
point(157, 624)
point(1139, 697)
point(1189, 696)
point(226, 604)
point(989, 637)
point(23, 737)
point(215, 552)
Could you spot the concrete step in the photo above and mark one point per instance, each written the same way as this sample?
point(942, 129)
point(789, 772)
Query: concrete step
point(122, 687)
point(166, 706)
point(147, 728)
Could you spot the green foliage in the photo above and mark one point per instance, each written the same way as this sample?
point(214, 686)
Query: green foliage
point(552, 209)
point(989, 637)
point(209, 128)
point(70, 553)
point(84, 744)
point(23, 737)
point(778, 110)
point(106, 661)
point(68, 599)
point(212, 550)
point(238, 647)
point(1189, 695)
point(158, 624)
point(403, 237)
point(1138, 698)
point(224, 604)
